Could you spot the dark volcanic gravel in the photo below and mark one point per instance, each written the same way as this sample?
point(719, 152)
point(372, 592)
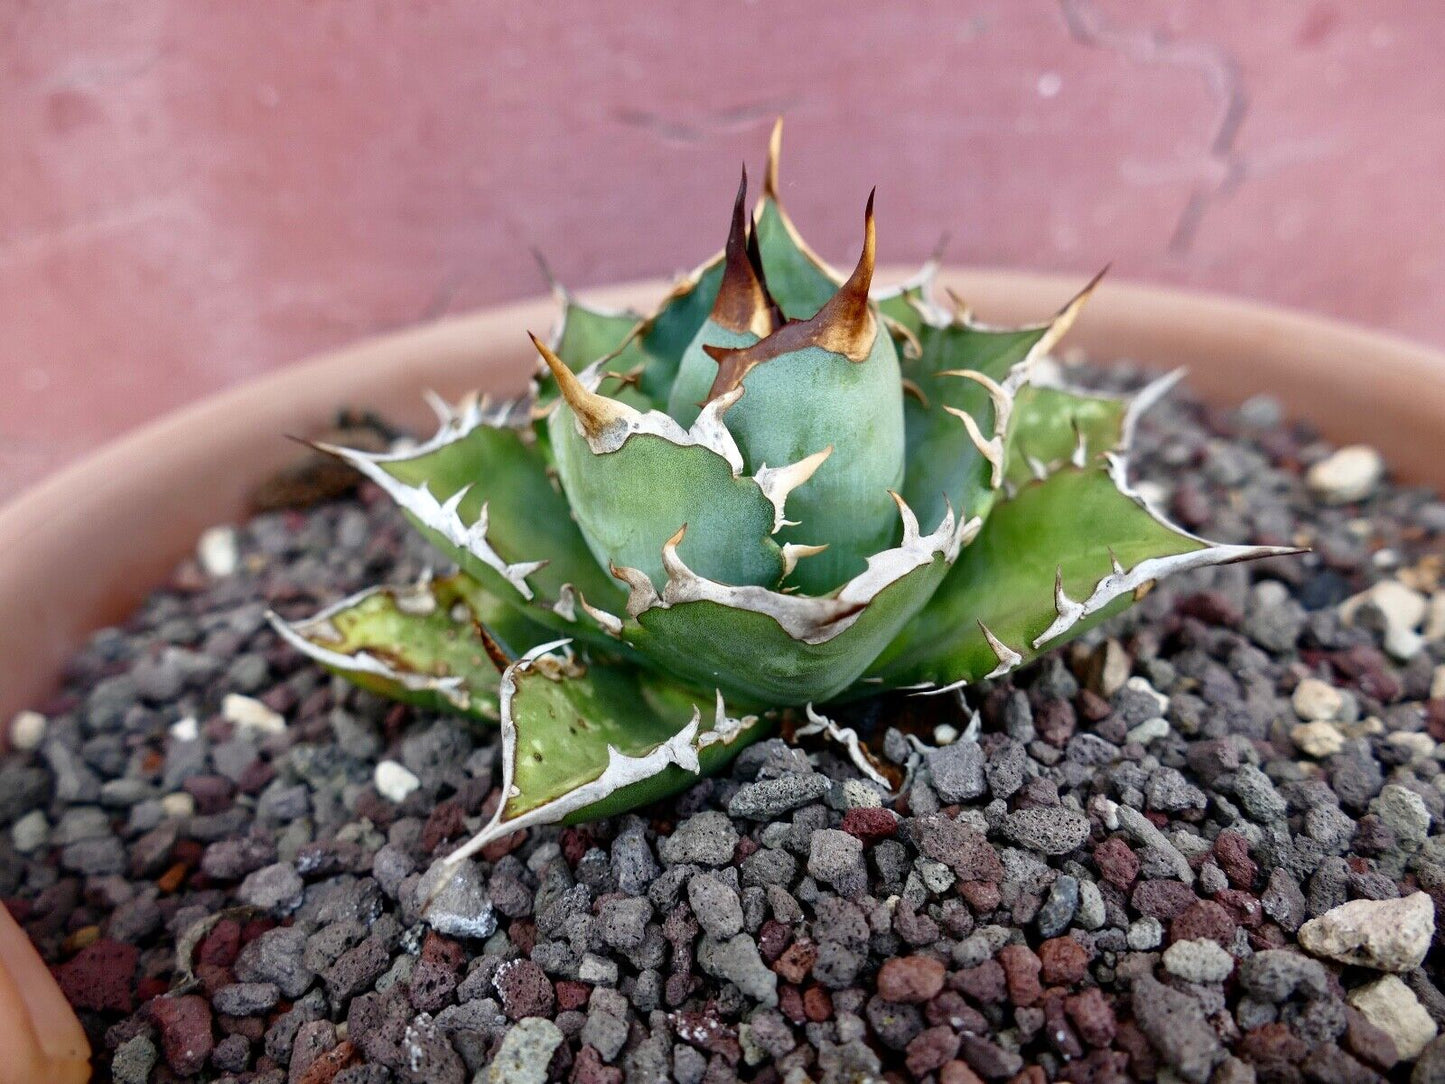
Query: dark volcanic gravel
point(1110, 886)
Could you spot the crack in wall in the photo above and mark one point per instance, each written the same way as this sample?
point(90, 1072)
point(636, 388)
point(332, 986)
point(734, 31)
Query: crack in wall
point(1221, 74)
point(735, 119)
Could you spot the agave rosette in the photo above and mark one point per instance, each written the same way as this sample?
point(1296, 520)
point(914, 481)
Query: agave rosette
point(782, 488)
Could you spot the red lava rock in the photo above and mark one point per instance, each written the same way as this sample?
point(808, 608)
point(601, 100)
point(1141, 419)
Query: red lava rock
point(324, 1069)
point(575, 843)
point(1055, 721)
point(1031, 1075)
point(523, 933)
point(1243, 907)
point(982, 896)
point(1367, 1042)
point(796, 961)
point(1021, 971)
point(910, 979)
point(1203, 919)
point(222, 945)
point(525, 989)
point(950, 1008)
point(1231, 852)
point(986, 982)
point(1366, 668)
point(1162, 899)
point(706, 1032)
point(1058, 1030)
point(572, 994)
point(1435, 718)
point(772, 940)
point(212, 793)
point(1143, 1065)
point(1092, 1016)
point(447, 821)
point(931, 1049)
point(1117, 863)
point(870, 824)
point(100, 976)
point(589, 1068)
point(958, 1072)
point(149, 988)
point(1092, 706)
point(817, 1004)
point(746, 848)
point(442, 950)
point(500, 848)
point(1211, 607)
point(1272, 1048)
point(185, 1027)
point(790, 1003)
point(1065, 961)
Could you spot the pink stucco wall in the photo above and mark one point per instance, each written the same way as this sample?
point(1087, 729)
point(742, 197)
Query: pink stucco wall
point(194, 191)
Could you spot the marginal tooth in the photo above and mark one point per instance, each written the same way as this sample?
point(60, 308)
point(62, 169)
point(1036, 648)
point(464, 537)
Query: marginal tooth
point(1114, 562)
point(1081, 445)
point(609, 623)
point(911, 533)
point(902, 332)
point(1146, 397)
point(1067, 609)
point(641, 595)
point(709, 431)
point(961, 312)
point(1002, 401)
point(594, 412)
point(439, 406)
point(1060, 325)
point(777, 482)
point(566, 605)
point(847, 737)
point(911, 388)
point(992, 450)
point(672, 564)
point(452, 503)
point(1007, 657)
point(793, 552)
point(1036, 468)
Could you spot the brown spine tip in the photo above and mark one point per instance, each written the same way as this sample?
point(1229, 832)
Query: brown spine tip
point(844, 325)
point(742, 304)
point(775, 152)
point(594, 412)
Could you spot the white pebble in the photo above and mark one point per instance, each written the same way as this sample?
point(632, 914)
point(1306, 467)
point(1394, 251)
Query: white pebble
point(1144, 934)
point(30, 832)
point(27, 730)
point(1317, 700)
point(248, 713)
point(1417, 745)
point(178, 804)
point(1350, 474)
point(1317, 739)
point(186, 729)
point(1141, 685)
point(394, 781)
point(218, 552)
point(1403, 609)
point(1437, 683)
point(943, 734)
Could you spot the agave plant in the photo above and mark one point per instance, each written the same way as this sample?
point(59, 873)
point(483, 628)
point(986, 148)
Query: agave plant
point(781, 489)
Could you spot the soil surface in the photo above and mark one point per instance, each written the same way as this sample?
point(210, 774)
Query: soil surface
point(1203, 844)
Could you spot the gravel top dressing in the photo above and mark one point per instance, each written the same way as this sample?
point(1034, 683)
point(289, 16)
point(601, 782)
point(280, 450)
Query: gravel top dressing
point(1203, 844)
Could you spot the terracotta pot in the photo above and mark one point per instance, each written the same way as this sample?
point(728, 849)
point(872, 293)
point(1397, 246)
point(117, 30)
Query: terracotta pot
point(82, 548)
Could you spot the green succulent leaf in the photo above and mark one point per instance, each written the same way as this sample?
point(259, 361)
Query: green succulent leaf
point(479, 491)
point(1060, 556)
point(587, 739)
point(422, 645)
point(765, 647)
point(1053, 426)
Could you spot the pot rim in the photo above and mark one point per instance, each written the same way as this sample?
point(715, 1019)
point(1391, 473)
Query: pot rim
point(85, 545)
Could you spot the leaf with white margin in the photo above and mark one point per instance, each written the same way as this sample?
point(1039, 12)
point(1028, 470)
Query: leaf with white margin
point(479, 491)
point(633, 478)
point(1054, 425)
point(768, 647)
point(423, 644)
point(1052, 561)
point(582, 741)
point(957, 411)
